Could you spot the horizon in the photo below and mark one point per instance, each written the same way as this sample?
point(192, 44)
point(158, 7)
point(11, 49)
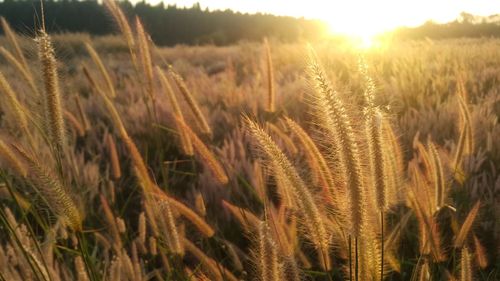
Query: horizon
point(344, 18)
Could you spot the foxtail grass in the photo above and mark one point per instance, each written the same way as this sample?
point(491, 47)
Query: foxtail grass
point(465, 265)
point(186, 144)
point(312, 220)
point(53, 191)
point(207, 156)
point(193, 105)
point(102, 69)
point(19, 111)
point(22, 69)
point(332, 116)
point(52, 96)
point(11, 36)
point(271, 95)
point(466, 226)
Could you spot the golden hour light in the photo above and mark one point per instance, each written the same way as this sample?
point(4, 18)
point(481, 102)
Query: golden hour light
point(249, 140)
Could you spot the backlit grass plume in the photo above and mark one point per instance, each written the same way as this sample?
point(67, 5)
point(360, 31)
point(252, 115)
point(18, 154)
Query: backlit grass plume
point(271, 95)
point(186, 144)
point(53, 191)
point(312, 221)
point(17, 109)
point(52, 95)
point(102, 69)
point(22, 69)
point(193, 105)
point(317, 162)
point(208, 157)
point(125, 29)
point(13, 41)
point(334, 120)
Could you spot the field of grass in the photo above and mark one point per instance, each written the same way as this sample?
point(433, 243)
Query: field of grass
point(121, 160)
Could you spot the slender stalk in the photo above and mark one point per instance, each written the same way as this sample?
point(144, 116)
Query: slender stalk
point(382, 242)
point(350, 258)
point(356, 266)
point(83, 251)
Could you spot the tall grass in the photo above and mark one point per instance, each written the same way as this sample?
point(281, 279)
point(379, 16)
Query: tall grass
point(356, 175)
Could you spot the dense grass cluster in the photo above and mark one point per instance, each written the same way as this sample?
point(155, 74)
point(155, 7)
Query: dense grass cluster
point(250, 162)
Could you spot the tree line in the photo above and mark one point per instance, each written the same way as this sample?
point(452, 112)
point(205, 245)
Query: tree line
point(170, 24)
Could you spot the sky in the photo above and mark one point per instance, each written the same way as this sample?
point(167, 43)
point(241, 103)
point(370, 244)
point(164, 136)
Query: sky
point(359, 17)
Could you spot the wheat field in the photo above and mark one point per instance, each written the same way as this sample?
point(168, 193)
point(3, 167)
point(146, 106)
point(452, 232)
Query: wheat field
point(122, 160)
